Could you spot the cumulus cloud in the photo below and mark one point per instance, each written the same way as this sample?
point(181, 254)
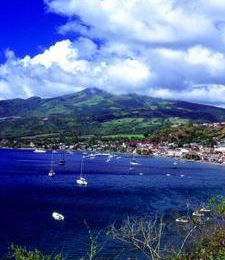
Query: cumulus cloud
point(68, 67)
point(165, 48)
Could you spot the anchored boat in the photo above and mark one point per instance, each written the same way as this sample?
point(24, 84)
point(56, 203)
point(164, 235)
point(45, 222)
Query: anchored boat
point(82, 181)
point(57, 216)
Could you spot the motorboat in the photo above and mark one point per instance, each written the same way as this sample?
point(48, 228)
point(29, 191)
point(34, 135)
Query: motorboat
point(182, 220)
point(57, 216)
point(198, 214)
point(205, 210)
point(39, 151)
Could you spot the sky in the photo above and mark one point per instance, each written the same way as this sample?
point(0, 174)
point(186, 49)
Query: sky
point(173, 49)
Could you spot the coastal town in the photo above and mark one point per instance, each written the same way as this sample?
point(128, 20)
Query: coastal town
point(141, 146)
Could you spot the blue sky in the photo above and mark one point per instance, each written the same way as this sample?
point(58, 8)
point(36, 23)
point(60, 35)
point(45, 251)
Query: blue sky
point(26, 27)
point(164, 48)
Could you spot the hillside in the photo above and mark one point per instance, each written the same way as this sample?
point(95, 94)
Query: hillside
point(207, 135)
point(94, 111)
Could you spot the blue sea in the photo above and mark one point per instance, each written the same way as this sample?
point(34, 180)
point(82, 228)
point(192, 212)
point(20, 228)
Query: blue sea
point(28, 197)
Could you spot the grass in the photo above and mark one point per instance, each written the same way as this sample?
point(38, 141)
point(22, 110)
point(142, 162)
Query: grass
point(125, 136)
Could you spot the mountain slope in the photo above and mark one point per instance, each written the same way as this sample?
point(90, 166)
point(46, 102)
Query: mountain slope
point(94, 111)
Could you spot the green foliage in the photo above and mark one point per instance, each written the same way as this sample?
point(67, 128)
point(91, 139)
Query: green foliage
point(93, 111)
point(21, 253)
point(209, 246)
point(217, 204)
point(92, 252)
point(187, 134)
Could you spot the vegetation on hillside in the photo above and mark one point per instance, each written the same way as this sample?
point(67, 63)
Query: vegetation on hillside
point(206, 135)
point(94, 111)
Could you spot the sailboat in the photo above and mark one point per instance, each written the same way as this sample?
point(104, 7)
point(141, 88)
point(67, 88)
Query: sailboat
point(62, 160)
point(82, 181)
point(51, 172)
point(174, 165)
point(133, 161)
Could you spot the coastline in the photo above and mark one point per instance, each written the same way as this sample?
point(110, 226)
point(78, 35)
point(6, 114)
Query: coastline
point(118, 153)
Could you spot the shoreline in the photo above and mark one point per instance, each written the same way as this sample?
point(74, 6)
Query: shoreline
point(119, 153)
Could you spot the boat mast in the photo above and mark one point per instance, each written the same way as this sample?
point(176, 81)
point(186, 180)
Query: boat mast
point(82, 166)
point(51, 162)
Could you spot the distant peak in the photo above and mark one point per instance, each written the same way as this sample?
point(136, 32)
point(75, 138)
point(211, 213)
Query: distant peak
point(34, 98)
point(95, 91)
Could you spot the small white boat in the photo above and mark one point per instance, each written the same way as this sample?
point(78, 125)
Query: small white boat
point(174, 165)
point(182, 220)
point(62, 160)
point(168, 175)
point(51, 173)
point(57, 216)
point(108, 160)
point(141, 173)
point(134, 163)
point(182, 176)
point(198, 214)
point(205, 210)
point(39, 151)
point(82, 181)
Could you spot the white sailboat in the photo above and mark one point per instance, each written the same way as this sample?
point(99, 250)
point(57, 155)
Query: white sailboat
point(82, 181)
point(108, 160)
point(62, 160)
point(174, 165)
point(133, 161)
point(51, 171)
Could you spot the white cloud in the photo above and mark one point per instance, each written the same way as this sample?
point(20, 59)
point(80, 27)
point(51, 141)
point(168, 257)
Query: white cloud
point(151, 21)
point(214, 94)
point(66, 67)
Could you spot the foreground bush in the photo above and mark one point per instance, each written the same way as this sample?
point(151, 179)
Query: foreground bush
point(210, 246)
point(21, 253)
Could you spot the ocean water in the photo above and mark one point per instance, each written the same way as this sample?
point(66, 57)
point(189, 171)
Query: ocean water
point(28, 197)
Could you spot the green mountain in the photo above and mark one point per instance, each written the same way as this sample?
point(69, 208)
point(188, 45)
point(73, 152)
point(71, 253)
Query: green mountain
point(94, 111)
